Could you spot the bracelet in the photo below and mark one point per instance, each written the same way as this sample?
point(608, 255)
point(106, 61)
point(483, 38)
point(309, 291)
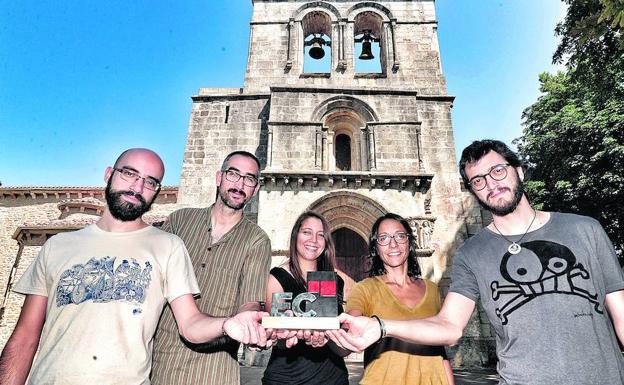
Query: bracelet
point(223, 333)
point(382, 328)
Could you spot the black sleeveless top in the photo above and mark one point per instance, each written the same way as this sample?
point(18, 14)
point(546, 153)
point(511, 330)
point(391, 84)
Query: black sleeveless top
point(303, 364)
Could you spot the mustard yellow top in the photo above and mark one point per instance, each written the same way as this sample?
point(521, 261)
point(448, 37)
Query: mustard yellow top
point(396, 367)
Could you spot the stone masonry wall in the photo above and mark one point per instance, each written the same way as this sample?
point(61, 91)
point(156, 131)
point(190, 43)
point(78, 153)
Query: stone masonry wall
point(397, 146)
point(10, 219)
point(295, 147)
point(210, 138)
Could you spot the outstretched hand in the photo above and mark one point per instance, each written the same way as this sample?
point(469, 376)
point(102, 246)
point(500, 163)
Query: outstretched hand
point(356, 333)
point(245, 327)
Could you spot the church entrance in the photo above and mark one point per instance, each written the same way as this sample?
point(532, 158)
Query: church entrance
point(350, 217)
point(351, 253)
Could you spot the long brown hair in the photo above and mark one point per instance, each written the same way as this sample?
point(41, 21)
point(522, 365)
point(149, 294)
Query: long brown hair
point(325, 262)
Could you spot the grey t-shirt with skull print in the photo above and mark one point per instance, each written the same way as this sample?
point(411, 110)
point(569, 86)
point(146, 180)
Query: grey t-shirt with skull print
point(547, 303)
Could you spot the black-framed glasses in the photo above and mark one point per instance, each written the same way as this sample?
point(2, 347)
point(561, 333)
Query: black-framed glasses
point(497, 172)
point(384, 239)
point(132, 177)
point(234, 176)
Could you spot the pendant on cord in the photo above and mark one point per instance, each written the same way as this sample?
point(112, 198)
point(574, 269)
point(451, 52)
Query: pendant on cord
point(514, 248)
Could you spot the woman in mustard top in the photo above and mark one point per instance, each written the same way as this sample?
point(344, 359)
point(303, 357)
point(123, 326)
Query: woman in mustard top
point(394, 290)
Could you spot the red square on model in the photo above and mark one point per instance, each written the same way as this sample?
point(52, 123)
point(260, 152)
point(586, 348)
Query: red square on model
point(313, 286)
point(328, 288)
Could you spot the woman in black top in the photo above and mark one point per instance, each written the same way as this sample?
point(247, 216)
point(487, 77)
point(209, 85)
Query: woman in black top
point(312, 360)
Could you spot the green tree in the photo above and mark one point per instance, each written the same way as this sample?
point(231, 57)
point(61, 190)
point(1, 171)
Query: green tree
point(573, 136)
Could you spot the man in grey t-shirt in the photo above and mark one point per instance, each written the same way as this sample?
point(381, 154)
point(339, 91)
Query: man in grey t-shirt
point(550, 284)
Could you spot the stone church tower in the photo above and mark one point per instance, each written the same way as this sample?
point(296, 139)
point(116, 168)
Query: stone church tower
point(349, 136)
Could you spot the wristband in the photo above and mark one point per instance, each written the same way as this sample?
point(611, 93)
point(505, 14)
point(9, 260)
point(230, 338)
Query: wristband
point(382, 328)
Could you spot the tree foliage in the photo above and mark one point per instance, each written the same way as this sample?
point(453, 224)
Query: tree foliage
point(573, 136)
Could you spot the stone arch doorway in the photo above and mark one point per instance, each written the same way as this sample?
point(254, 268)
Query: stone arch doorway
point(351, 253)
point(350, 217)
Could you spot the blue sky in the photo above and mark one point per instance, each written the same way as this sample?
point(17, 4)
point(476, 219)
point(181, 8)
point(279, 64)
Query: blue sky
point(82, 80)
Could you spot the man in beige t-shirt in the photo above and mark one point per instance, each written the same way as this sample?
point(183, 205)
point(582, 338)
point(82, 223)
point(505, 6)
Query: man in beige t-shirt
point(95, 295)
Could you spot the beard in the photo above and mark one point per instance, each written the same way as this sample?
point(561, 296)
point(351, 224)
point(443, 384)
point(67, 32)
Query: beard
point(122, 210)
point(508, 208)
point(228, 202)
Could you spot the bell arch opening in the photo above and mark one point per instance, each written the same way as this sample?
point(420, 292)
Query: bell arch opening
point(317, 36)
point(368, 52)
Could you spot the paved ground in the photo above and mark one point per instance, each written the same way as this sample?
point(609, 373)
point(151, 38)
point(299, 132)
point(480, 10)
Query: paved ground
point(251, 375)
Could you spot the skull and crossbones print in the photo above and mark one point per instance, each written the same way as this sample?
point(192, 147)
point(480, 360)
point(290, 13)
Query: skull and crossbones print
point(541, 268)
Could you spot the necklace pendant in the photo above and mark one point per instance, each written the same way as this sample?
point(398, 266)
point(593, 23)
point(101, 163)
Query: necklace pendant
point(514, 248)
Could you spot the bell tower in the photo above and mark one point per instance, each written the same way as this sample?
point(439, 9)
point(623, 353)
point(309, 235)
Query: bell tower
point(390, 44)
point(345, 105)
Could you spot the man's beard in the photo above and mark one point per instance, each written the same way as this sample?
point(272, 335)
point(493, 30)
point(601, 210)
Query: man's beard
point(122, 210)
point(501, 211)
point(228, 202)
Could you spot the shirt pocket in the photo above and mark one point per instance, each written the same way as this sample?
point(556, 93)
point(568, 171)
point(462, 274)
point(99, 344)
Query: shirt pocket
point(219, 291)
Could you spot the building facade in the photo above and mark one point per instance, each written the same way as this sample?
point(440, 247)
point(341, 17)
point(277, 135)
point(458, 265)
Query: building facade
point(351, 145)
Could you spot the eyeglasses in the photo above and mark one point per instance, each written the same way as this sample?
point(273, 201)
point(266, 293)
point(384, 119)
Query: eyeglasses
point(498, 172)
point(384, 239)
point(234, 176)
point(132, 177)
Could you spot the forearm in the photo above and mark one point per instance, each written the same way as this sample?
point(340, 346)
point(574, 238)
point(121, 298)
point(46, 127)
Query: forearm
point(20, 349)
point(201, 328)
point(615, 306)
point(620, 335)
point(223, 339)
point(198, 328)
point(429, 331)
point(445, 328)
point(16, 360)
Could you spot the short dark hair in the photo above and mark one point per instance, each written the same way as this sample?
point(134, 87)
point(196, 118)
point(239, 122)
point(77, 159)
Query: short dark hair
point(240, 153)
point(325, 262)
point(377, 266)
point(479, 148)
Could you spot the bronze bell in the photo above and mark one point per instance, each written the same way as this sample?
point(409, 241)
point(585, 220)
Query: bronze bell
point(317, 51)
point(367, 53)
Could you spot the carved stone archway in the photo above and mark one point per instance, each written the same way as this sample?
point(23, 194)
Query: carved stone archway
point(353, 214)
point(349, 210)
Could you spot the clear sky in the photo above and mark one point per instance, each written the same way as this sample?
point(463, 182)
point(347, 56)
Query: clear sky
point(82, 80)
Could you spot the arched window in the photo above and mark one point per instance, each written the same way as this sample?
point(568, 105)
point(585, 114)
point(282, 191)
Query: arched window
point(317, 50)
point(368, 53)
point(343, 152)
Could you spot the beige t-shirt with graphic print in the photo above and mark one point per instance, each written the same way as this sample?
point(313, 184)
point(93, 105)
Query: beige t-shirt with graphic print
point(105, 294)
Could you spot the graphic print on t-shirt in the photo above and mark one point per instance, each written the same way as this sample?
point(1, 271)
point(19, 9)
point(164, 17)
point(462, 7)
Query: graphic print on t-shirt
point(98, 281)
point(541, 268)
